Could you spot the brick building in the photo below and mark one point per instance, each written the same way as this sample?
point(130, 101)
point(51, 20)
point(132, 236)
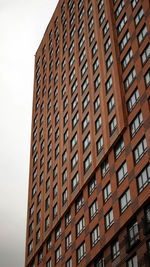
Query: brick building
point(89, 192)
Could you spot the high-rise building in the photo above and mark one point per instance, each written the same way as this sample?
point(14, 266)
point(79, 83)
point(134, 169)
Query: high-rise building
point(89, 191)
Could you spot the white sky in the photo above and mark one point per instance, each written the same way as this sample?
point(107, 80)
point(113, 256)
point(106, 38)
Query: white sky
point(22, 25)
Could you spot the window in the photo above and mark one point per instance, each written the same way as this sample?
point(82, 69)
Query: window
point(96, 104)
point(91, 38)
point(133, 261)
point(85, 84)
point(65, 119)
point(47, 221)
point(64, 197)
point(89, 12)
point(55, 211)
point(75, 120)
point(48, 244)
point(85, 122)
point(104, 167)
point(81, 28)
point(68, 241)
point(133, 235)
point(57, 232)
point(64, 176)
point(55, 171)
point(69, 263)
point(56, 119)
point(82, 56)
point(67, 218)
point(81, 42)
point(56, 151)
point(38, 198)
point(108, 84)
point(124, 41)
point(74, 103)
point(75, 181)
point(81, 14)
point(98, 123)
point(125, 201)
point(41, 177)
point(100, 262)
point(80, 4)
point(54, 191)
point(102, 18)
point(95, 236)
point(40, 256)
point(122, 173)
point(31, 210)
point(97, 82)
point(84, 69)
point(47, 203)
point(38, 236)
point(138, 16)
point(74, 141)
point(111, 104)
point(140, 150)
point(100, 5)
point(147, 78)
point(64, 157)
point(146, 54)
point(56, 134)
point(63, 77)
point(119, 9)
point(90, 25)
point(74, 161)
point(134, 98)
point(34, 190)
point(87, 163)
point(71, 48)
point(71, 62)
point(136, 124)
point(49, 165)
point(99, 144)
point(107, 44)
point(142, 34)
point(113, 125)
point(72, 9)
point(86, 142)
point(126, 60)
point(85, 102)
point(134, 3)
point(58, 254)
point(115, 249)
point(49, 263)
point(31, 227)
point(109, 219)
point(109, 62)
point(107, 192)
point(94, 50)
point(122, 24)
point(72, 75)
point(74, 87)
point(106, 28)
point(91, 185)
point(38, 217)
point(81, 252)
point(72, 32)
point(80, 226)
point(30, 247)
point(143, 179)
point(93, 210)
point(95, 65)
point(79, 202)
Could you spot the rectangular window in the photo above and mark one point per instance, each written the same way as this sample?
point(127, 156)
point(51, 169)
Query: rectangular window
point(109, 219)
point(104, 167)
point(65, 136)
point(79, 202)
point(91, 185)
point(71, 48)
point(80, 226)
point(89, 12)
point(98, 123)
point(136, 124)
point(95, 65)
point(142, 34)
point(107, 192)
point(64, 176)
point(58, 254)
point(38, 236)
point(107, 44)
point(85, 122)
point(74, 87)
point(81, 42)
point(49, 263)
point(72, 75)
point(57, 232)
point(102, 18)
point(72, 32)
point(91, 38)
point(96, 104)
point(94, 49)
point(74, 161)
point(81, 252)
point(106, 29)
point(143, 179)
point(115, 249)
point(129, 79)
point(145, 54)
point(55, 211)
point(68, 241)
point(64, 157)
point(134, 3)
point(108, 84)
point(75, 120)
point(95, 236)
point(134, 98)
point(133, 261)
point(74, 141)
point(90, 25)
point(97, 82)
point(138, 16)
point(147, 78)
point(125, 201)
point(124, 41)
point(140, 150)
point(64, 197)
point(81, 28)
point(84, 69)
point(82, 56)
point(122, 173)
point(54, 191)
point(71, 61)
point(85, 84)
point(119, 9)
point(122, 24)
point(67, 218)
point(113, 125)
point(81, 14)
point(126, 60)
point(86, 142)
point(133, 235)
point(87, 163)
point(111, 104)
point(93, 210)
point(75, 181)
point(85, 102)
point(99, 144)
point(100, 5)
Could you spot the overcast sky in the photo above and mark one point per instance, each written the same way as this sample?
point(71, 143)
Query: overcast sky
point(22, 25)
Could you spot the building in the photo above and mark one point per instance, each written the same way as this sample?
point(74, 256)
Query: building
point(89, 191)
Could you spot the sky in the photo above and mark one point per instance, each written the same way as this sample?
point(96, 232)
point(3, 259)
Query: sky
point(22, 25)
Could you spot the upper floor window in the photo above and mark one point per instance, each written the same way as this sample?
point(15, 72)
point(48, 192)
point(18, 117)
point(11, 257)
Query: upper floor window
point(106, 28)
point(119, 147)
point(134, 3)
point(124, 41)
point(80, 226)
point(107, 192)
point(109, 219)
point(86, 141)
point(129, 79)
point(113, 125)
point(91, 185)
point(115, 249)
point(145, 54)
point(81, 252)
point(87, 162)
point(143, 179)
point(58, 254)
point(75, 181)
point(75, 120)
point(74, 161)
point(119, 9)
point(79, 202)
point(142, 34)
point(136, 124)
point(126, 60)
point(102, 18)
point(134, 98)
point(140, 150)
point(93, 210)
point(95, 236)
point(90, 25)
point(104, 167)
point(125, 200)
point(98, 123)
point(85, 122)
point(122, 24)
point(122, 172)
point(108, 84)
point(138, 16)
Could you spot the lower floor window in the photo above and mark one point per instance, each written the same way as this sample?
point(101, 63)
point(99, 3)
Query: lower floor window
point(132, 262)
point(81, 252)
